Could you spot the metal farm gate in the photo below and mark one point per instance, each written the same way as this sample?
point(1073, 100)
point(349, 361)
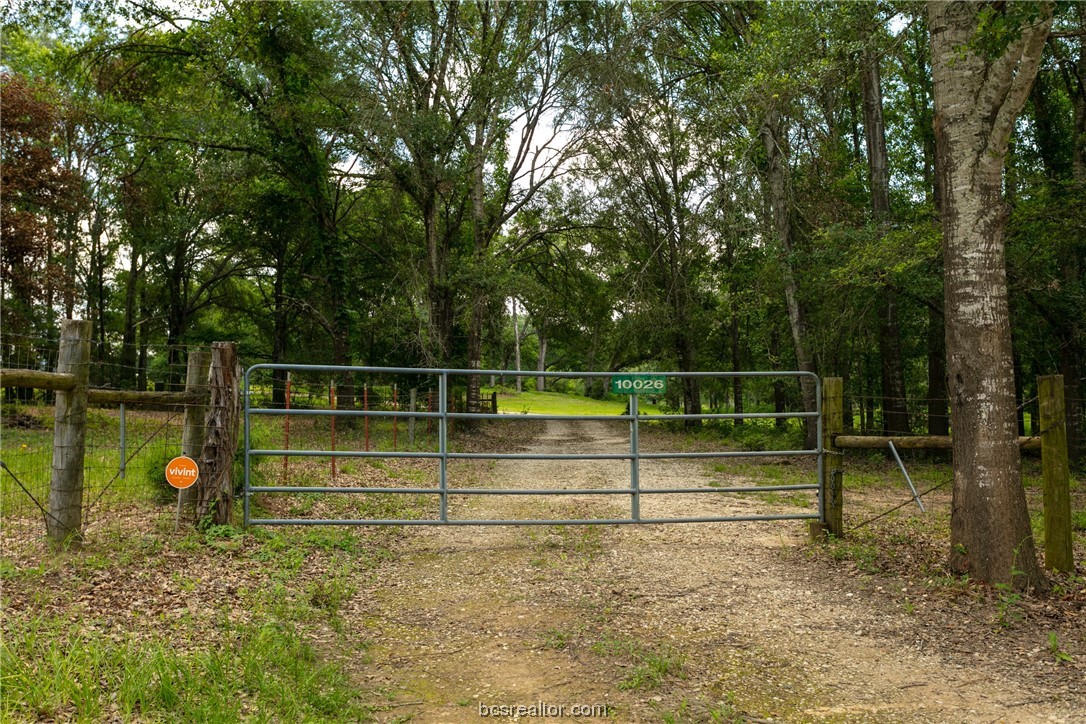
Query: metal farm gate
point(633, 383)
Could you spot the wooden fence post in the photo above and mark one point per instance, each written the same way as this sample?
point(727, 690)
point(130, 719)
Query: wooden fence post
point(833, 422)
point(64, 522)
point(1059, 555)
point(192, 435)
point(215, 494)
point(411, 420)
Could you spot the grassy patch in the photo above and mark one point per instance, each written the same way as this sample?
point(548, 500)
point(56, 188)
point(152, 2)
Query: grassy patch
point(649, 666)
point(219, 624)
point(720, 712)
point(557, 403)
point(54, 669)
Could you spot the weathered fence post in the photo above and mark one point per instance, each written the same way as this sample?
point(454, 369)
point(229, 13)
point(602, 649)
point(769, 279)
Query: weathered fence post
point(833, 423)
point(192, 435)
point(64, 522)
point(1059, 555)
point(215, 495)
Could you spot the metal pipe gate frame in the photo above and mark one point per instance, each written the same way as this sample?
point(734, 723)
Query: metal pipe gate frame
point(442, 455)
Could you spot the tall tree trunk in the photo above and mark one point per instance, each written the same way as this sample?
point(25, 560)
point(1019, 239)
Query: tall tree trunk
point(737, 365)
point(895, 419)
point(516, 344)
point(128, 334)
point(895, 412)
point(438, 292)
point(1073, 367)
point(977, 99)
point(280, 334)
point(938, 417)
point(691, 385)
point(780, 203)
point(478, 297)
point(96, 295)
point(335, 265)
point(144, 342)
point(475, 351)
point(541, 363)
point(780, 395)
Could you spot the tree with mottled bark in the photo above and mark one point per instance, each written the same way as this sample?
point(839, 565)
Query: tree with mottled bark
point(984, 59)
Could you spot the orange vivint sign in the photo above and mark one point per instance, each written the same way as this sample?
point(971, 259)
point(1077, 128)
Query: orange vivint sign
point(182, 472)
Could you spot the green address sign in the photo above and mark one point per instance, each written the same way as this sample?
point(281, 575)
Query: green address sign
point(639, 384)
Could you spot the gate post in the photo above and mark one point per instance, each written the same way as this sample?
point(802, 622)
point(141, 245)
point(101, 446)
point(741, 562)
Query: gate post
point(64, 522)
point(215, 490)
point(830, 486)
point(1059, 555)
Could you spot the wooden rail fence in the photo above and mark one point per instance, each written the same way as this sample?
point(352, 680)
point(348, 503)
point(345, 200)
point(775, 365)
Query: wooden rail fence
point(1052, 442)
point(64, 514)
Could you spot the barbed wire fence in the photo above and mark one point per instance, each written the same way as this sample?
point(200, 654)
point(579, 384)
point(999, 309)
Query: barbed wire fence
point(126, 445)
point(867, 414)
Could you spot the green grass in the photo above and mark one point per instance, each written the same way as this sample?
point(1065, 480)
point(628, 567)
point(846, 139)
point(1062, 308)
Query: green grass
point(650, 666)
point(251, 658)
point(55, 669)
point(154, 438)
point(28, 453)
point(557, 403)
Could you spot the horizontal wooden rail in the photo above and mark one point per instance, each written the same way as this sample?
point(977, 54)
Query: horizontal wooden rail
point(64, 381)
point(132, 397)
point(37, 379)
point(914, 442)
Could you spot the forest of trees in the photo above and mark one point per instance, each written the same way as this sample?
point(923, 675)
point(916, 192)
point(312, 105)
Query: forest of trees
point(690, 186)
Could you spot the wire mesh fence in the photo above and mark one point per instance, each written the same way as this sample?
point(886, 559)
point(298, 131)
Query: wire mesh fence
point(126, 446)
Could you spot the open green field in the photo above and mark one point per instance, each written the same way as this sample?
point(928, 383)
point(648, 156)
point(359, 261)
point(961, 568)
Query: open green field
point(557, 403)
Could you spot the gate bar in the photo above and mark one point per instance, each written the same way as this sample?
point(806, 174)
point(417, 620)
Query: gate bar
point(530, 491)
point(535, 456)
point(532, 521)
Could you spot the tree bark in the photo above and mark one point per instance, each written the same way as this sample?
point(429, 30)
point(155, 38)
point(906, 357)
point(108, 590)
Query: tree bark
point(977, 99)
point(780, 203)
point(541, 362)
point(215, 489)
point(516, 345)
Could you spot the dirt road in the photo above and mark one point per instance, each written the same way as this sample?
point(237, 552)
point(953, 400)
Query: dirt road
point(700, 622)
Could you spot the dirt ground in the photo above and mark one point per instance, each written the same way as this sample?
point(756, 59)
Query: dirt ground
point(702, 622)
point(695, 622)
